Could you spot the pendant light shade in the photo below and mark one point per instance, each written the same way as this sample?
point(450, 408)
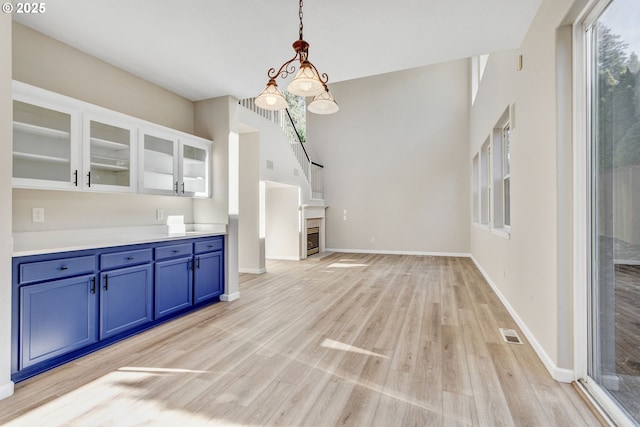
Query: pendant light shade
point(323, 104)
point(306, 82)
point(271, 98)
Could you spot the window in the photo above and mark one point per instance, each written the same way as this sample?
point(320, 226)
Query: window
point(485, 183)
point(613, 159)
point(478, 64)
point(501, 173)
point(475, 177)
point(506, 175)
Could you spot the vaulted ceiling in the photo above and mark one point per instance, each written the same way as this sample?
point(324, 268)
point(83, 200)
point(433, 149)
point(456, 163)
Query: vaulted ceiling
point(207, 48)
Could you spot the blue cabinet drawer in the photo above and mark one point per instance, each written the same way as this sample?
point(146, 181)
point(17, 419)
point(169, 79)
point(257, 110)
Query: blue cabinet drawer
point(215, 244)
point(55, 269)
point(173, 251)
point(126, 258)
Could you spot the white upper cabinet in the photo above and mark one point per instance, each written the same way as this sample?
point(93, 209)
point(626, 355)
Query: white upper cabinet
point(45, 144)
point(171, 164)
point(194, 170)
point(158, 162)
point(109, 154)
point(63, 143)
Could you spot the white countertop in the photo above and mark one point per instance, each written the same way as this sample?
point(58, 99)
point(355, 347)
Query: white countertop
point(42, 242)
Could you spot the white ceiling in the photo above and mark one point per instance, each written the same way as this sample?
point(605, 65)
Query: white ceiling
point(207, 48)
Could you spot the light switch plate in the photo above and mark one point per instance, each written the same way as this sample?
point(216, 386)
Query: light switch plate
point(159, 214)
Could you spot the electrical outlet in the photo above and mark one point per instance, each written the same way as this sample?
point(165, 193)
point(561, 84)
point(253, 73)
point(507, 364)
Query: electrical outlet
point(37, 214)
point(159, 214)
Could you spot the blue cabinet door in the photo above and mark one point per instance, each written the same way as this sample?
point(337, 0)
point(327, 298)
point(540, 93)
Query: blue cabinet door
point(126, 299)
point(173, 286)
point(208, 276)
point(57, 317)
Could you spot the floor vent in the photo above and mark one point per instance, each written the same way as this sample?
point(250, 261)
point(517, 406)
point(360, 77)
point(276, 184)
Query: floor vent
point(510, 336)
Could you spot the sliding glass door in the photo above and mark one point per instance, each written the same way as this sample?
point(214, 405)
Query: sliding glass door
point(614, 104)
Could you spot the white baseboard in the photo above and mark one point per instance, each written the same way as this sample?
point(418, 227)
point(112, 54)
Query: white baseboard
point(385, 252)
point(558, 374)
point(252, 270)
point(6, 390)
point(230, 297)
point(284, 258)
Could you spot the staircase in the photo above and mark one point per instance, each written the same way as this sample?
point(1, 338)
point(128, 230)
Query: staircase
point(312, 171)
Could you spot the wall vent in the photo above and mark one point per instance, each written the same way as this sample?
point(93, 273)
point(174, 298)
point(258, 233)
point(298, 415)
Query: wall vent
point(510, 336)
point(269, 164)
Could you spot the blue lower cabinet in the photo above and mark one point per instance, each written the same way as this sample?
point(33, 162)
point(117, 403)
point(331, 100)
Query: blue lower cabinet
point(126, 299)
point(208, 280)
point(57, 317)
point(174, 286)
point(66, 305)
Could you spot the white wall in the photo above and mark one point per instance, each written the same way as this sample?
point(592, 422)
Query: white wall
point(251, 256)
point(47, 63)
point(6, 136)
point(525, 268)
point(66, 210)
point(44, 62)
point(274, 148)
point(217, 119)
point(282, 237)
point(395, 158)
point(213, 121)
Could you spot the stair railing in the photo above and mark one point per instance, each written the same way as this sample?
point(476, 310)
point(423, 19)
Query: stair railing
point(311, 170)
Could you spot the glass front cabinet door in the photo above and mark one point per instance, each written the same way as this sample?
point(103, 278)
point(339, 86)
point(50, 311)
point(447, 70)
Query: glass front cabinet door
point(66, 144)
point(45, 145)
point(109, 162)
point(194, 159)
point(172, 165)
point(158, 162)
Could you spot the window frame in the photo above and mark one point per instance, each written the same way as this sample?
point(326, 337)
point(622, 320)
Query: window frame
point(506, 176)
point(475, 189)
point(499, 200)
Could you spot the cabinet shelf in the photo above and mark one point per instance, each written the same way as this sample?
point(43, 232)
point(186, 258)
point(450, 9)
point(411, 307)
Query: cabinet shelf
point(39, 157)
point(110, 145)
point(189, 161)
point(101, 158)
point(105, 166)
point(40, 130)
point(157, 155)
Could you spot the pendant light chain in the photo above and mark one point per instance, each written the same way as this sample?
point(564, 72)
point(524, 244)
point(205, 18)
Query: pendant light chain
point(300, 15)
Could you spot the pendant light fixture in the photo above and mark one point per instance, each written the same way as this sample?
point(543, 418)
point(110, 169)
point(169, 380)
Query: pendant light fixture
point(307, 82)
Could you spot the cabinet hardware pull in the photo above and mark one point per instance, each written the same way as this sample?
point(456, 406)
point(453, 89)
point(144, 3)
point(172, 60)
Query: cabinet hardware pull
point(89, 177)
point(64, 267)
point(183, 188)
point(176, 187)
point(106, 282)
point(198, 263)
point(190, 265)
point(175, 251)
point(129, 258)
point(209, 246)
point(75, 178)
point(93, 285)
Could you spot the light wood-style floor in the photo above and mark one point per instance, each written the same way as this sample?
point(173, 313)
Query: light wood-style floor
point(358, 340)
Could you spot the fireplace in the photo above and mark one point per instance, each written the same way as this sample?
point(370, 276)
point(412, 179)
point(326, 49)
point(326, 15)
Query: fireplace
point(313, 240)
